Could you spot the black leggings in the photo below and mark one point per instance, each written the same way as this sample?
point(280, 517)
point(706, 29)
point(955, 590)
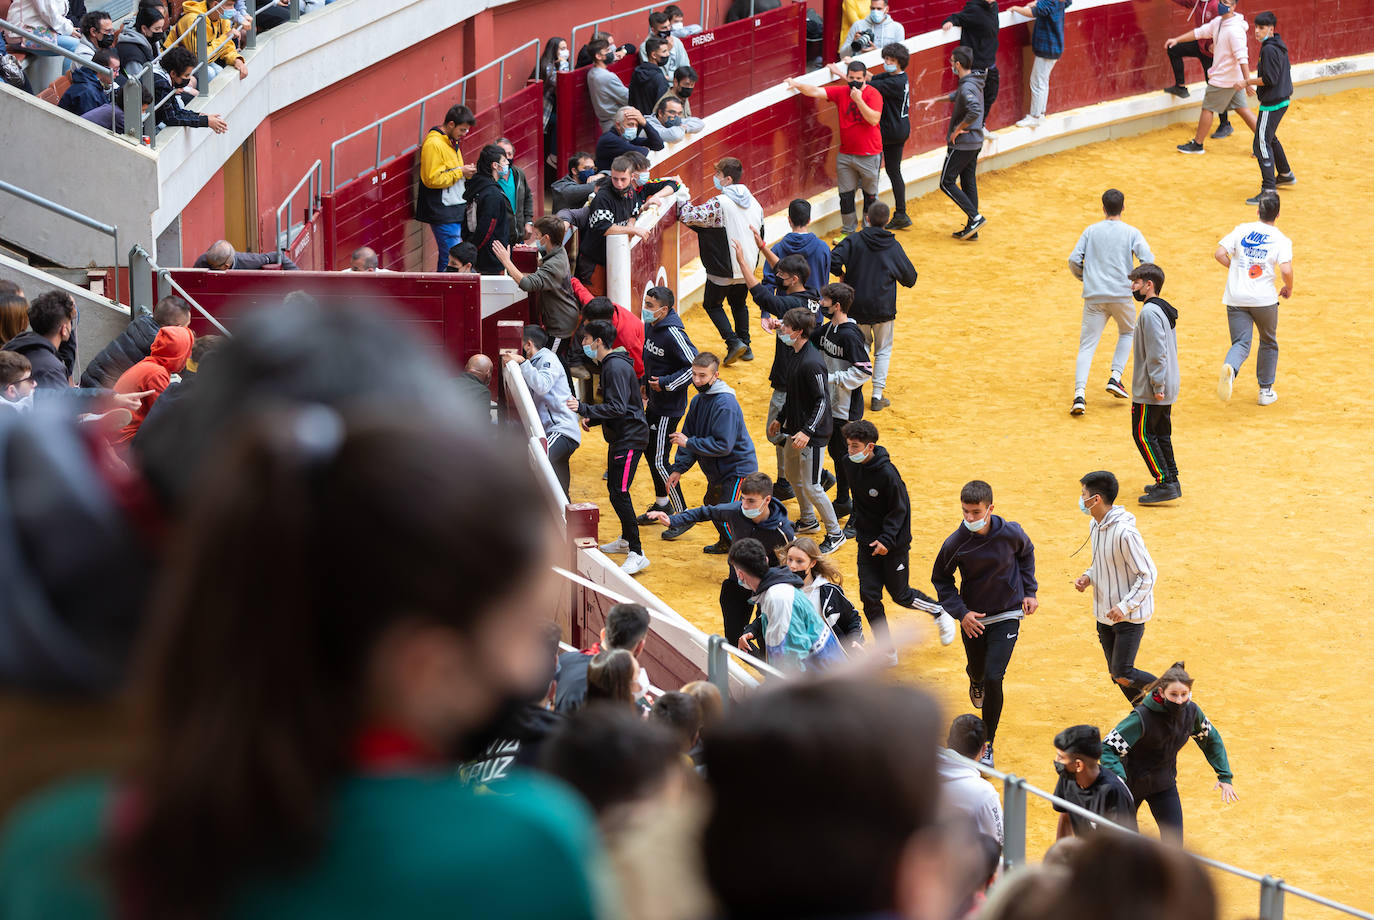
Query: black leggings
point(1167, 811)
point(714, 301)
point(892, 163)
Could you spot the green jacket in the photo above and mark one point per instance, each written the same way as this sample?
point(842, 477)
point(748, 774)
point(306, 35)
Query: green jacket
point(1146, 763)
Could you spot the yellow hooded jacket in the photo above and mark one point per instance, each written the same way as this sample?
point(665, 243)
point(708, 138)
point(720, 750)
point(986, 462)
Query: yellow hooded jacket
point(216, 34)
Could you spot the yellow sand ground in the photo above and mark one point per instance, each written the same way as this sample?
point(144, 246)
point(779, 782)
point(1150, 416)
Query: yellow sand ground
point(1262, 564)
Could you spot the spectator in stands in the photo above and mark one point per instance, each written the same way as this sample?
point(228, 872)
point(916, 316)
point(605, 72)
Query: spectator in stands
point(978, 32)
point(16, 382)
point(135, 343)
point(728, 218)
point(179, 65)
point(551, 281)
point(222, 257)
point(46, 19)
point(876, 30)
point(547, 381)
point(680, 713)
point(217, 36)
point(668, 356)
point(585, 55)
point(50, 342)
point(111, 116)
point(615, 759)
point(895, 124)
point(652, 193)
point(965, 795)
point(556, 59)
point(608, 94)
point(461, 258)
point(1047, 41)
point(630, 132)
point(14, 311)
point(95, 31)
point(488, 211)
point(621, 417)
point(1082, 781)
point(670, 120)
point(648, 82)
point(660, 26)
point(363, 259)
point(441, 202)
point(874, 263)
point(800, 241)
point(684, 84)
point(572, 189)
point(743, 9)
point(677, 22)
point(142, 42)
point(963, 138)
point(1128, 875)
point(168, 355)
point(355, 723)
point(861, 140)
point(626, 627)
point(710, 701)
point(516, 187)
point(788, 627)
point(90, 89)
point(474, 384)
point(202, 350)
point(611, 679)
point(613, 210)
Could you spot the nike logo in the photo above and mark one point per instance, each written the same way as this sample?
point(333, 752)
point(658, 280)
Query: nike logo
point(1011, 635)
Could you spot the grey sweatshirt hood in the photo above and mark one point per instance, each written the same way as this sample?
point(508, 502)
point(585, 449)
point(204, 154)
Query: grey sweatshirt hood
point(739, 194)
point(719, 388)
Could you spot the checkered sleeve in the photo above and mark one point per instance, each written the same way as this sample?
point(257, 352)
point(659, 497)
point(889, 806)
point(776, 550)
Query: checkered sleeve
point(1117, 745)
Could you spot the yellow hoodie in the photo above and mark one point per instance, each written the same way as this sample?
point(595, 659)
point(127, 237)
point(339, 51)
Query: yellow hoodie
point(216, 33)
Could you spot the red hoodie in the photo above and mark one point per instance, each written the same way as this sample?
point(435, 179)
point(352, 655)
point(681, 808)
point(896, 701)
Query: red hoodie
point(171, 350)
point(629, 329)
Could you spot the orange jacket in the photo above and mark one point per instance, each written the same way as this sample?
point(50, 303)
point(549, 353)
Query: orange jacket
point(171, 350)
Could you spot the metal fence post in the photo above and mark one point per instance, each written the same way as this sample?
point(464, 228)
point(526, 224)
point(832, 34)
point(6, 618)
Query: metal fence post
point(718, 667)
point(131, 101)
point(202, 61)
point(250, 34)
point(140, 281)
point(149, 119)
point(164, 283)
point(1014, 822)
point(114, 267)
point(295, 9)
point(1271, 898)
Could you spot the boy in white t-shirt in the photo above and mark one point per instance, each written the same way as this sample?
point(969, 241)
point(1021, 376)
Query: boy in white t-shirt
point(1255, 255)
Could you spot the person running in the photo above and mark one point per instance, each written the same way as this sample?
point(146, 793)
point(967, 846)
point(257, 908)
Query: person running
point(1255, 255)
point(794, 636)
point(1227, 79)
point(714, 436)
point(822, 580)
point(963, 139)
point(1155, 383)
point(1274, 83)
point(805, 420)
point(548, 384)
point(842, 343)
point(1083, 782)
point(621, 417)
point(1143, 748)
point(882, 527)
point(1200, 49)
point(668, 355)
point(995, 561)
point(755, 516)
point(1102, 259)
point(1122, 576)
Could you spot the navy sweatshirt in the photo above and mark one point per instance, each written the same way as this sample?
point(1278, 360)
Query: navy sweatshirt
point(807, 406)
point(773, 302)
point(882, 510)
point(811, 248)
point(873, 263)
point(668, 355)
point(620, 412)
point(773, 529)
point(996, 571)
point(717, 437)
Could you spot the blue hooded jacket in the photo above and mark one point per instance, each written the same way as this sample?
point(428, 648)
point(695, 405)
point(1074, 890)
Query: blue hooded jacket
point(717, 437)
point(85, 93)
point(811, 248)
point(668, 355)
point(774, 531)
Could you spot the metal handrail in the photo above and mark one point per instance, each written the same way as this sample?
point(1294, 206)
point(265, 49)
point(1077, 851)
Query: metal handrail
point(141, 268)
point(421, 103)
point(89, 65)
point(313, 176)
point(64, 211)
point(572, 38)
point(166, 278)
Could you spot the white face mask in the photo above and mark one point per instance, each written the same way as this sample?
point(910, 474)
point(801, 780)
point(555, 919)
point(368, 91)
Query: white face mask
point(979, 524)
point(564, 54)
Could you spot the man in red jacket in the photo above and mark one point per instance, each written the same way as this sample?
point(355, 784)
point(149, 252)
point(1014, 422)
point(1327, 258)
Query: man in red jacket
point(629, 329)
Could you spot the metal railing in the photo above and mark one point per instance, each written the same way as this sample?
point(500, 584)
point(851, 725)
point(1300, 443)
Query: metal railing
point(130, 100)
point(64, 211)
point(144, 293)
point(421, 104)
point(595, 24)
point(313, 176)
point(200, 30)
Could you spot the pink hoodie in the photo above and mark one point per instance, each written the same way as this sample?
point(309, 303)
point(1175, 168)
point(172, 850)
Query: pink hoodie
point(1230, 53)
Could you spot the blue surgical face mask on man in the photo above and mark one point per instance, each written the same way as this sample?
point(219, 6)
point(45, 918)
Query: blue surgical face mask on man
point(584, 174)
point(979, 524)
point(860, 457)
point(876, 16)
point(1223, 9)
point(751, 513)
point(890, 67)
point(719, 185)
point(641, 179)
point(504, 171)
point(589, 351)
point(786, 339)
point(1082, 507)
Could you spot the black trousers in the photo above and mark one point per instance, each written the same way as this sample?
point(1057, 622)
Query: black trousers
point(961, 167)
point(1267, 148)
point(1183, 50)
point(621, 463)
point(722, 492)
point(838, 449)
point(735, 609)
point(991, 86)
point(1167, 811)
point(561, 449)
point(892, 163)
point(714, 302)
point(893, 573)
point(1120, 643)
point(988, 655)
point(1153, 430)
point(658, 454)
point(269, 15)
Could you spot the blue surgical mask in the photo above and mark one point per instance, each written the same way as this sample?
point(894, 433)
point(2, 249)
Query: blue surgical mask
point(890, 67)
point(751, 513)
point(1223, 9)
point(542, 251)
point(719, 184)
point(503, 172)
point(1082, 507)
point(589, 351)
point(860, 457)
point(876, 16)
point(641, 179)
point(585, 174)
point(786, 339)
point(740, 581)
point(979, 524)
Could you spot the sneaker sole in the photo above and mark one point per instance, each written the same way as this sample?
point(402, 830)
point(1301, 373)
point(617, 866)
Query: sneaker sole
point(1118, 391)
point(1078, 410)
point(1195, 152)
point(813, 527)
point(1226, 383)
point(735, 354)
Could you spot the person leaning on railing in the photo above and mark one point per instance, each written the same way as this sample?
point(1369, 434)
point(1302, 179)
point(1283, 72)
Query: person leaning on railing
point(218, 36)
point(179, 66)
point(222, 257)
point(140, 43)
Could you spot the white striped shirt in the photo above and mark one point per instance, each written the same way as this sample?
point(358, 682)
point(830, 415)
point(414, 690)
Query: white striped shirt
point(1122, 572)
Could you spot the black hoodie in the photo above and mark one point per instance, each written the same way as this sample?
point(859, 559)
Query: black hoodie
point(49, 373)
point(620, 412)
point(776, 303)
point(978, 26)
point(873, 263)
point(1275, 71)
point(882, 510)
point(489, 221)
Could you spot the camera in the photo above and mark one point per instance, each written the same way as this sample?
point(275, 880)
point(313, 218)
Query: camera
point(861, 41)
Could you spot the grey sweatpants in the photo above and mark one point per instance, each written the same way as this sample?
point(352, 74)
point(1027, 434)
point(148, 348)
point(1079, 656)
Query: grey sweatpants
point(1243, 321)
point(1095, 316)
point(774, 407)
point(804, 468)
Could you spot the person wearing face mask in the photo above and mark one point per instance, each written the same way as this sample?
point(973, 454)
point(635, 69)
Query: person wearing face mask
point(95, 31)
point(559, 310)
point(1083, 782)
point(90, 89)
point(789, 627)
point(516, 187)
point(1143, 748)
point(573, 188)
point(754, 515)
point(607, 91)
point(822, 580)
point(629, 133)
point(875, 30)
point(1227, 78)
point(668, 356)
point(489, 216)
point(1200, 49)
point(677, 22)
point(715, 437)
point(613, 210)
point(861, 141)
point(895, 125)
point(684, 84)
point(648, 83)
point(137, 45)
point(995, 561)
point(660, 26)
point(963, 139)
point(670, 120)
point(548, 384)
point(842, 343)
point(179, 66)
point(556, 59)
point(16, 382)
point(1154, 383)
point(650, 192)
point(50, 342)
point(1122, 576)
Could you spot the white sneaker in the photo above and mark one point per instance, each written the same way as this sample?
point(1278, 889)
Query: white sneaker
point(616, 546)
point(1225, 382)
point(890, 659)
point(949, 628)
point(1030, 121)
point(1267, 396)
point(634, 564)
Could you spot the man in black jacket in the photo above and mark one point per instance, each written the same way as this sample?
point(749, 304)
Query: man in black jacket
point(873, 264)
point(648, 83)
point(1275, 82)
point(574, 188)
point(805, 419)
point(221, 257)
point(846, 358)
point(882, 525)
point(668, 355)
point(895, 124)
point(978, 26)
point(627, 627)
point(50, 342)
point(135, 342)
point(613, 210)
point(621, 417)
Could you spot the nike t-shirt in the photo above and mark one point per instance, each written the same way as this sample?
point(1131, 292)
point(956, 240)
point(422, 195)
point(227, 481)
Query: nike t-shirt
point(1256, 250)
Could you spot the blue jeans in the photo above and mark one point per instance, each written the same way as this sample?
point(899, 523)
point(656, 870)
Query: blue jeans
point(446, 236)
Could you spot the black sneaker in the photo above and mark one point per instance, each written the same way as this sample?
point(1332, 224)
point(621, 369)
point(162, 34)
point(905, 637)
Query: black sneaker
point(734, 350)
point(1178, 90)
point(827, 480)
point(975, 694)
point(843, 509)
point(899, 221)
point(850, 533)
point(1285, 179)
point(644, 521)
point(1155, 485)
point(719, 548)
point(748, 354)
point(1166, 492)
point(1191, 147)
point(879, 403)
point(1255, 198)
point(807, 525)
point(1224, 130)
point(672, 533)
point(972, 228)
point(1080, 405)
point(1115, 388)
point(833, 542)
point(782, 490)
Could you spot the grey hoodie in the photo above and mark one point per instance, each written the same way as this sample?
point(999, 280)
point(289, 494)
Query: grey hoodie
point(1155, 354)
point(968, 102)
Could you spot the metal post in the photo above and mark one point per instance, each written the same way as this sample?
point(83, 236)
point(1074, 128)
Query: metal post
point(140, 281)
point(501, 78)
point(149, 119)
point(202, 69)
point(1271, 898)
point(131, 101)
point(718, 667)
point(295, 9)
point(377, 161)
point(114, 267)
point(250, 34)
point(164, 283)
point(1014, 822)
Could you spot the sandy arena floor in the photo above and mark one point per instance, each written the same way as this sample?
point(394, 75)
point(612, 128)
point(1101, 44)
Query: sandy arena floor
point(1259, 560)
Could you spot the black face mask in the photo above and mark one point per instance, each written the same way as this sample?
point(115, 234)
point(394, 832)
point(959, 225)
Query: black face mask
point(685, 92)
point(856, 84)
point(105, 41)
point(1061, 769)
point(703, 389)
point(1139, 296)
point(1170, 707)
point(158, 38)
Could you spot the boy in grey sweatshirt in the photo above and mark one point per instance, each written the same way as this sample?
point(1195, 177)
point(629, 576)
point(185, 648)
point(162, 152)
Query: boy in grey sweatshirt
point(1155, 383)
point(1102, 260)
